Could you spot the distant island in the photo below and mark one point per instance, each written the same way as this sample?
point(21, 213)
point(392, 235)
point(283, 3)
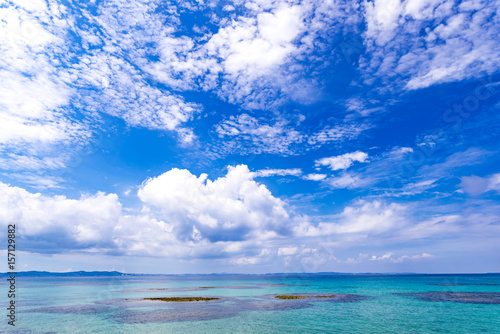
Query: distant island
point(117, 273)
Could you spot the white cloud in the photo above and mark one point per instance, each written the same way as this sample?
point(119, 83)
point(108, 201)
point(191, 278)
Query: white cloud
point(234, 207)
point(241, 63)
point(256, 56)
point(243, 261)
point(374, 216)
point(34, 125)
point(382, 17)
point(285, 251)
point(177, 223)
point(343, 161)
point(228, 217)
point(414, 44)
point(344, 181)
point(48, 78)
point(338, 133)
point(58, 222)
point(418, 187)
point(251, 260)
point(280, 172)
point(314, 177)
point(362, 217)
point(248, 134)
point(401, 150)
point(38, 181)
point(144, 235)
point(253, 47)
point(228, 8)
point(476, 185)
point(399, 259)
point(26, 162)
point(264, 138)
point(116, 88)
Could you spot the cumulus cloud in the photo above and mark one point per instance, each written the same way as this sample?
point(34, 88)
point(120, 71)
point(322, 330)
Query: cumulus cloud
point(230, 208)
point(59, 223)
point(343, 161)
point(254, 47)
point(232, 217)
point(183, 216)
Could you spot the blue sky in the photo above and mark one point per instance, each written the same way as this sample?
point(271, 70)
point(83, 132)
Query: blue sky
point(251, 136)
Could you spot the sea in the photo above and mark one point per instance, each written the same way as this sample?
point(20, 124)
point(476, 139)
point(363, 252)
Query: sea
point(320, 303)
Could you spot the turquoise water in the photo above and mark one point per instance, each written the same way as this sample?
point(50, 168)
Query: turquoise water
point(374, 304)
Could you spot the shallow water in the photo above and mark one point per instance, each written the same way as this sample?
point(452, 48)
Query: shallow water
point(368, 304)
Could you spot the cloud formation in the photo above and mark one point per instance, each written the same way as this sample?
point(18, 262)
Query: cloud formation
point(415, 44)
point(231, 208)
point(343, 161)
point(476, 185)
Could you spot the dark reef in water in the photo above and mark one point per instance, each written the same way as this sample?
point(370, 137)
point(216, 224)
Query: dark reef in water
point(290, 297)
point(456, 297)
point(218, 307)
point(182, 299)
point(331, 297)
point(279, 284)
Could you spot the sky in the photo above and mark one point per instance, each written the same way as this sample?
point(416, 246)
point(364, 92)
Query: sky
point(251, 136)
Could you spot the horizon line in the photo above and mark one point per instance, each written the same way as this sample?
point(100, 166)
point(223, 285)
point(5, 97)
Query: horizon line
point(246, 274)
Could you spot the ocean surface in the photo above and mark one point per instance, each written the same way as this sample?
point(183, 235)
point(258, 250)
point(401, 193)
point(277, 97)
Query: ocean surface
point(247, 304)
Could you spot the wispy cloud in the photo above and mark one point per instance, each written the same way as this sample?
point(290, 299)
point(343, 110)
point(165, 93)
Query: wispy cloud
point(315, 177)
point(343, 161)
point(278, 137)
point(34, 121)
point(278, 172)
point(390, 257)
point(476, 185)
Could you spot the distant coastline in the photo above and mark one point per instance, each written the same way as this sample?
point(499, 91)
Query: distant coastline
point(120, 274)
